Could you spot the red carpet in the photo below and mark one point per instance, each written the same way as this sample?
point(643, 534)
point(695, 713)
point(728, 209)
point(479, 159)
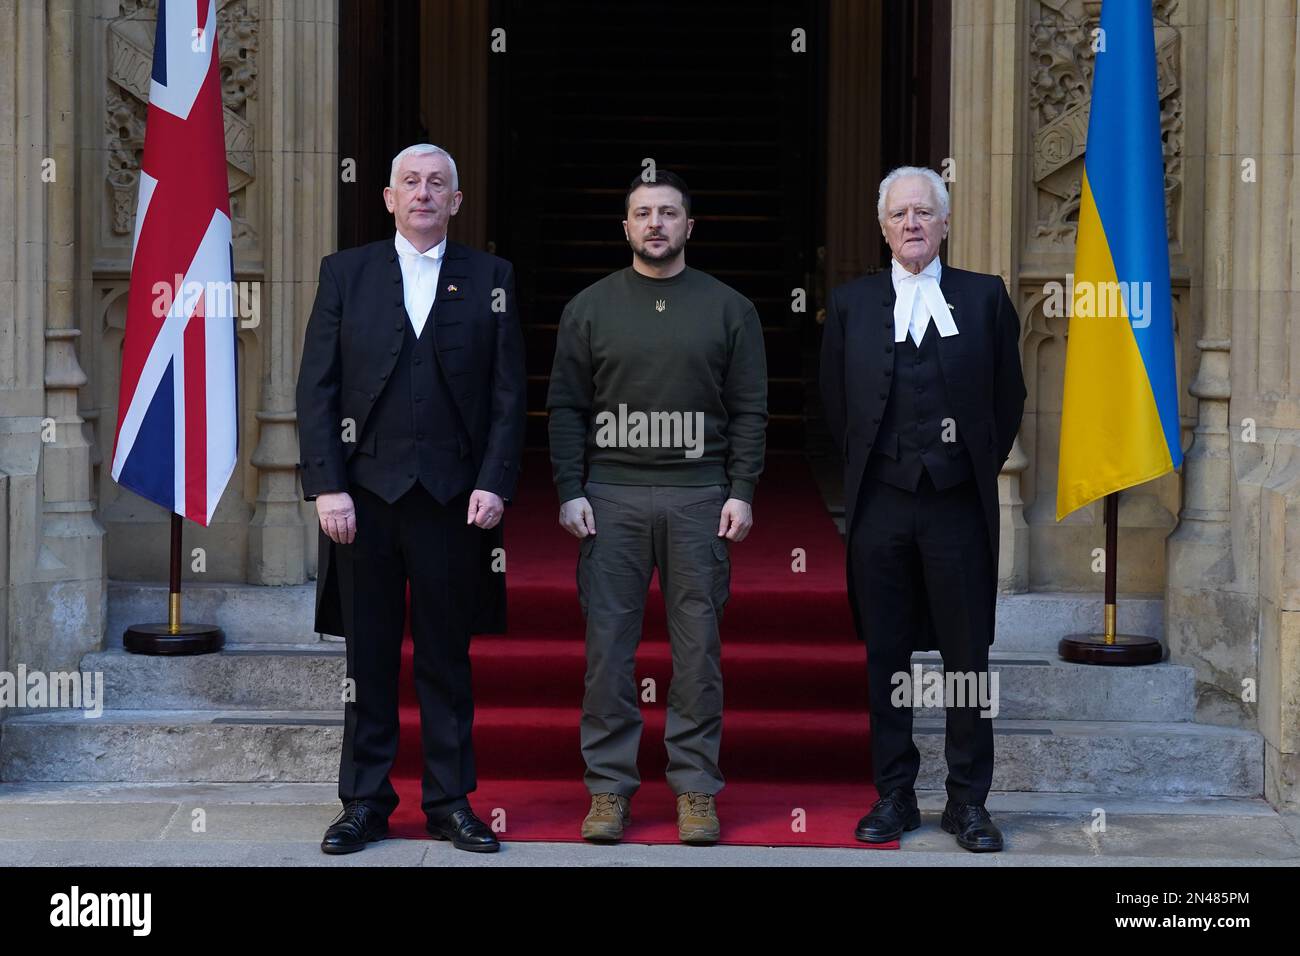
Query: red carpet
point(795, 742)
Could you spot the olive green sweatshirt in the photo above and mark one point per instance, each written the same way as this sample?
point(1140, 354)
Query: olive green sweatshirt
point(658, 382)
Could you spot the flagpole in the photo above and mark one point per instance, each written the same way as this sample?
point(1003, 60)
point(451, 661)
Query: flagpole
point(1112, 564)
point(174, 637)
point(1110, 647)
point(174, 579)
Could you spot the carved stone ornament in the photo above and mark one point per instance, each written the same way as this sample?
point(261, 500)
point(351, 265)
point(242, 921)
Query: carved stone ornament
point(1061, 60)
point(130, 39)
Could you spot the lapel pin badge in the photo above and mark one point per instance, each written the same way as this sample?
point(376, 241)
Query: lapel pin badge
point(452, 288)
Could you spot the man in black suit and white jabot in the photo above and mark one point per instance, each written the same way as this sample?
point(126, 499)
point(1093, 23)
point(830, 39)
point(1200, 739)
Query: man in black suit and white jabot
point(923, 389)
point(411, 409)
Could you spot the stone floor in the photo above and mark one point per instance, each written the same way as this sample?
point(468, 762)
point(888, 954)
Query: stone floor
point(281, 824)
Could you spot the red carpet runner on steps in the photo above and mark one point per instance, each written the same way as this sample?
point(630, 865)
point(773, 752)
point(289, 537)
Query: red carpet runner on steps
point(795, 742)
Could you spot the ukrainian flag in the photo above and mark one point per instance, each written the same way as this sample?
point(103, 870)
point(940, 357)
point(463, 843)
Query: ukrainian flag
point(1119, 415)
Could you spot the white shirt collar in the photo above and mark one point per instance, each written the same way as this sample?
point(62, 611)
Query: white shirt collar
point(918, 300)
point(899, 271)
point(404, 248)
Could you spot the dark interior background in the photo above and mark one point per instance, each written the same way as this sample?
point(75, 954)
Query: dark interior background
point(712, 91)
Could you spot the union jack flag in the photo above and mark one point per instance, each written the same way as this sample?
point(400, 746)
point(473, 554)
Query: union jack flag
point(177, 430)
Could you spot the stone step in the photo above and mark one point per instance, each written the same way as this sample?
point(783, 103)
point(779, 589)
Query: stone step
point(1132, 758)
point(247, 613)
point(172, 745)
point(1038, 621)
point(253, 614)
point(309, 677)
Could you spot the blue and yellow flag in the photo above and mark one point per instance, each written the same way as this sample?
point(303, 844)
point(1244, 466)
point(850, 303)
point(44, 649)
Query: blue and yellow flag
point(1119, 415)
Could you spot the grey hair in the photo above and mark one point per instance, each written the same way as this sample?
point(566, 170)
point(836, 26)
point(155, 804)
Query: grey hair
point(423, 149)
point(937, 186)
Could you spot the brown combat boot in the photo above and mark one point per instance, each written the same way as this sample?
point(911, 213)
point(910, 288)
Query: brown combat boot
point(608, 815)
point(697, 818)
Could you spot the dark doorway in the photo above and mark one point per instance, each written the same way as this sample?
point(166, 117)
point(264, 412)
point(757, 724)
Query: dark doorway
point(917, 38)
point(379, 108)
point(713, 92)
point(916, 42)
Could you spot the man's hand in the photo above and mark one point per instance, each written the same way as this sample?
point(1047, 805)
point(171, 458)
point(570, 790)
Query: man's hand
point(485, 509)
point(736, 519)
point(577, 518)
point(338, 518)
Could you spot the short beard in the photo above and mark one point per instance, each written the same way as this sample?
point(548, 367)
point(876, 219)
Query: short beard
point(670, 252)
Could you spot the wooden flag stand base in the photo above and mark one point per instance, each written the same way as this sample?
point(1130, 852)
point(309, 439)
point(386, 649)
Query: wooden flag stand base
point(173, 637)
point(1109, 647)
point(1115, 649)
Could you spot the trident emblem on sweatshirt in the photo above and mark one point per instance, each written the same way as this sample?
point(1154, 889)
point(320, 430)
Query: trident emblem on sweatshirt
point(661, 304)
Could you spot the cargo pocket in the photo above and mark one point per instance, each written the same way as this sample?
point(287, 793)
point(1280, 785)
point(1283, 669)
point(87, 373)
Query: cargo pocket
point(721, 575)
point(584, 571)
point(713, 503)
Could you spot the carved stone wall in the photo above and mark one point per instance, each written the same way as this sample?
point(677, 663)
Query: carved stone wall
point(52, 595)
point(1233, 600)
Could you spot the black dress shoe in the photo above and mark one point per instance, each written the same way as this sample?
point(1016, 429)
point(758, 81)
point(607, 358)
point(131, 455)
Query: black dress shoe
point(465, 831)
point(889, 817)
point(352, 829)
point(971, 824)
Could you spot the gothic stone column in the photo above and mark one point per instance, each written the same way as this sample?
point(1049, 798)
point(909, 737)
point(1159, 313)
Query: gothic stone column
point(299, 43)
point(986, 164)
point(1233, 601)
point(52, 591)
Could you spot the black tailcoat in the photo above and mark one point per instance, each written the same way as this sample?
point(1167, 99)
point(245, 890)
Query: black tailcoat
point(981, 369)
point(353, 339)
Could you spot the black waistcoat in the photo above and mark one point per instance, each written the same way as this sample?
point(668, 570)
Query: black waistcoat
point(916, 421)
point(413, 431)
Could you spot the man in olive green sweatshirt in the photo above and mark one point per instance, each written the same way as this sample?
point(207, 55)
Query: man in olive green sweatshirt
point(659, 388)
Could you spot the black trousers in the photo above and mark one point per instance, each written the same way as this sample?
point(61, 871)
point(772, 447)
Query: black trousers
point(415, 538)
point(929, 546)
